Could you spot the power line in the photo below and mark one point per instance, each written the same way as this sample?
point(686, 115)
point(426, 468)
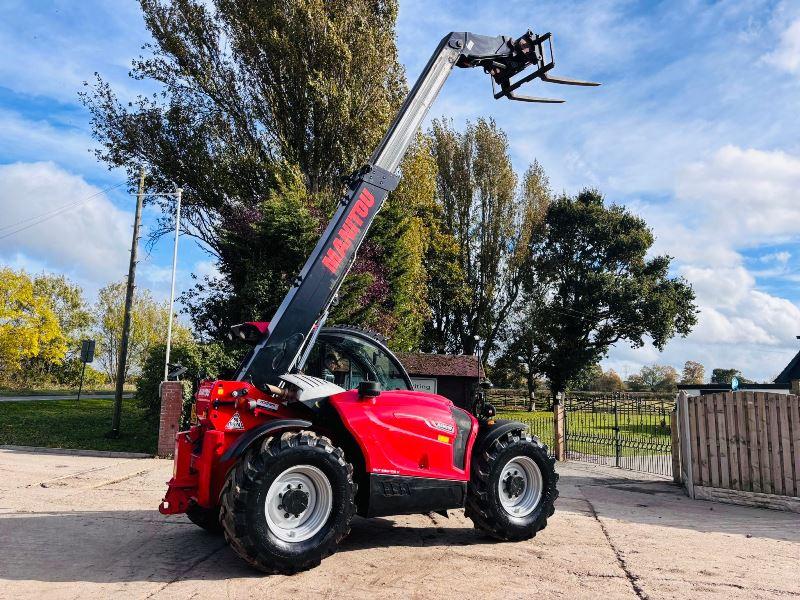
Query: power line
point(24, 224)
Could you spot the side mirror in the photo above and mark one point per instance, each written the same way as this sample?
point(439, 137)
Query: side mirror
point(369, 389)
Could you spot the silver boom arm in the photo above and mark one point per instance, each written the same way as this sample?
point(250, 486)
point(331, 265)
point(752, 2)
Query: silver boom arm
point(294, 326)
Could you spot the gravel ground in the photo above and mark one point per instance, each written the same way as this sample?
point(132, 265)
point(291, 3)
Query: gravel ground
point(87, 527)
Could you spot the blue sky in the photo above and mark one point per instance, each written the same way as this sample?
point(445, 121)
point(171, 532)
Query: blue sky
point(695, 128)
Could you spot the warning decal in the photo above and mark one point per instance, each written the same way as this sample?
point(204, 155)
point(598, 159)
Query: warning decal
point(235, 422)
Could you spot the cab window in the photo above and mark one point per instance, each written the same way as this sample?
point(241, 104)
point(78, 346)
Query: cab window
point(347, 360)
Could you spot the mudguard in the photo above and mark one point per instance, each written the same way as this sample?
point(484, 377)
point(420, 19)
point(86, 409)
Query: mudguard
point(492, 430)
point(238, 448)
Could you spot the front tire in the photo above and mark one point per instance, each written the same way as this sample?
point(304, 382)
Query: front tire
point(288, 502)
point(513, 490)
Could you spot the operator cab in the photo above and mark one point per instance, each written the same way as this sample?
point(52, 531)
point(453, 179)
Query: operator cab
point(343, 355)
point(347, 356)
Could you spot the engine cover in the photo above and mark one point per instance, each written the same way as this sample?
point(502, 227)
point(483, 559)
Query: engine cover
point(408, 433)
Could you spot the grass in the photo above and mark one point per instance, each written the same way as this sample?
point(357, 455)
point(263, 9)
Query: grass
point(71, 424)
point(593, 433)
point(62, 391)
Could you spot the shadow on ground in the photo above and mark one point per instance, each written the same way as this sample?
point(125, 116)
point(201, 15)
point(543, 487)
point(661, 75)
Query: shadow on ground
point(128, 546)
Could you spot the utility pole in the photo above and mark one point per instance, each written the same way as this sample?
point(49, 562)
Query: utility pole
point(126, 319)
point(178, 195)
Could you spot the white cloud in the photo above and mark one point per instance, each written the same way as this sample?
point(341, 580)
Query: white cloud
point(90, 241)
point(779, 257)
point(786, 56)
point(750, 195)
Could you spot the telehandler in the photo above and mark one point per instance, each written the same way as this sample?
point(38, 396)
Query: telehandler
point(281, 458)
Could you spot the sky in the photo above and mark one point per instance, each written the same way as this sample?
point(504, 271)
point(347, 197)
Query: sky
point(695, 128)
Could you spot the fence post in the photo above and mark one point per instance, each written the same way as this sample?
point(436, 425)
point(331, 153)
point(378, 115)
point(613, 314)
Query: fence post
point(685, 439)
point(617, 448)
point(559, 437)
point(676, 445)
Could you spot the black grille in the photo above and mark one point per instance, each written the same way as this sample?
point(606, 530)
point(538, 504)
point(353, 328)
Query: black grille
point(463, 427)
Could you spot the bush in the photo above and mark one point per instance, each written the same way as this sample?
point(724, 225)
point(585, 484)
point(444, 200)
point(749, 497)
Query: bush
point(202, 361)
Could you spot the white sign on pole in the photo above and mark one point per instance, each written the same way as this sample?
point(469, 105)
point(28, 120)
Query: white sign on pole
point(425, 384)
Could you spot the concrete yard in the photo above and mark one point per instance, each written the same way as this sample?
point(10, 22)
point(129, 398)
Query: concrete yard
point(87, 527)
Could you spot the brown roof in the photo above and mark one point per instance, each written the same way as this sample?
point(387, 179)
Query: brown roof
point(438, 365)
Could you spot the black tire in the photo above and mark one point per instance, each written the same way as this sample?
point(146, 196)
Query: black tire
point(483, 504)
point(206, 518)
point(243, 499)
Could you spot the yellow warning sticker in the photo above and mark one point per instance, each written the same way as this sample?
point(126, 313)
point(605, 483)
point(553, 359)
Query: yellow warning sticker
point(444, 438)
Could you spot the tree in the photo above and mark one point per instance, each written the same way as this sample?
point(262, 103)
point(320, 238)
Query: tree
point(655, 378)
point(725, 376)
point(29, 327)
point(148, 327)
point(493, 222)
point(693, 372)
point(261, 103)
point(592, 285)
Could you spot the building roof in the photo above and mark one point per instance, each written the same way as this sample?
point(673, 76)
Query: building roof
point(440, 365)
point(792, 371)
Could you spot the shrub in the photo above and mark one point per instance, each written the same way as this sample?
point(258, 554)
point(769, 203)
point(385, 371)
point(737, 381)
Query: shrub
point(202, 361)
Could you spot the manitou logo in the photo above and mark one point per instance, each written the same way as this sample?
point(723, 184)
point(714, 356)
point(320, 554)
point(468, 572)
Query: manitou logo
point(348, 232)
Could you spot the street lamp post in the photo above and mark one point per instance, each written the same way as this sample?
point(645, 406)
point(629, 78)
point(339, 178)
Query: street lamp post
point(178, 196)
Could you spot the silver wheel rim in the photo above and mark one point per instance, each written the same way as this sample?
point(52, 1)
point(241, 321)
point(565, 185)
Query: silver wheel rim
point(525, 501)
point(307, 523)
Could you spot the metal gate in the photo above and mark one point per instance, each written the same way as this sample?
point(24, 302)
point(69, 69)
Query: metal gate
point(631, 431)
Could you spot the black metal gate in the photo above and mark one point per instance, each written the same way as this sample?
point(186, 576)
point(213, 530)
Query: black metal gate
point(631, 431)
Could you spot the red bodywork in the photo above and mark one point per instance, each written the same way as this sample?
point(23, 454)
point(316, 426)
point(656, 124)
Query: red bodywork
point(398, 432)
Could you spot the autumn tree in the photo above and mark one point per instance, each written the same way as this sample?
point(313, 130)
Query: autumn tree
point(262, 106)
point(29, 325)
point(592, 284)
point(693, 372)
point(654, 378)
point(493, 222)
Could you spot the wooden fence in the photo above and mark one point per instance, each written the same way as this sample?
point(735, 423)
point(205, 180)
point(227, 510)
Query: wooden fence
point(745, 442)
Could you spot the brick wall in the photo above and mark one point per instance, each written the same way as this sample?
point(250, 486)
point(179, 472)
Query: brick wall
point(171, 407)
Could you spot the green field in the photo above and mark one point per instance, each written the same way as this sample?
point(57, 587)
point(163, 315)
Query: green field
point(71, 424)
point(593, 433)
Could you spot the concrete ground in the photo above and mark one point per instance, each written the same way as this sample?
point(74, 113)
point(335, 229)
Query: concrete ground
point(87, 527)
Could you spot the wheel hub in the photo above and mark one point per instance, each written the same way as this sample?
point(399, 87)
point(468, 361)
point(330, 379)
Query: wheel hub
point(514, 485)
point(520, 486)
point(295, 500)
point(298, 503)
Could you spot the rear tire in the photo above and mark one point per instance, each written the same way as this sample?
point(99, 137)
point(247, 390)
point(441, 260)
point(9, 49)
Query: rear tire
point(513, 487)
point(299, 475)
point(206, 518)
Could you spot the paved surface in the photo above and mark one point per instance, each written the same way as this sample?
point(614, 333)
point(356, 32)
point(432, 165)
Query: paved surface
point(86, 527)
point(66, 397)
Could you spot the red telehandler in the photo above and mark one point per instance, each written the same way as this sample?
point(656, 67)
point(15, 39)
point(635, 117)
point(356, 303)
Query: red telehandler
point(281, 458)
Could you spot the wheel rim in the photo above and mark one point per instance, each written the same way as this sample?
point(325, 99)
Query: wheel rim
point(520, 486)
point(298, 503)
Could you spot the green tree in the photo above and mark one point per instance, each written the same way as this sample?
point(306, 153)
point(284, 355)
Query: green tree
point(148, 327)
point(693, 372)
point(493, 222)
point(260, 101)
point(592, 285)
point(201, 361)
point(725, 376)
point(29, 326)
